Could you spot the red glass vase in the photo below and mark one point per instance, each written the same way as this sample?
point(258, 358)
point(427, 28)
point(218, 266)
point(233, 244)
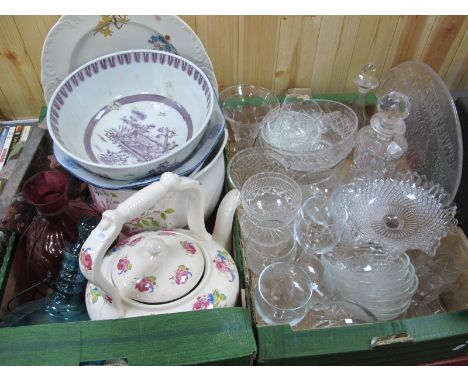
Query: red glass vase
point(52, 228)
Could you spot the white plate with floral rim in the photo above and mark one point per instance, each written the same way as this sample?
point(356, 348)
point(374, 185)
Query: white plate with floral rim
point(213, 134)
point(76, 40)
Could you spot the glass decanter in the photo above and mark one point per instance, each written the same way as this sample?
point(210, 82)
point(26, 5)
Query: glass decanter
point(365, 81)
point(382, 143)
point(66, 303)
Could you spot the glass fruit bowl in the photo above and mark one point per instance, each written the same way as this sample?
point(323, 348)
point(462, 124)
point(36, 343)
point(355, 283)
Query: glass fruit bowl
point(400, 213)
point(338, 128)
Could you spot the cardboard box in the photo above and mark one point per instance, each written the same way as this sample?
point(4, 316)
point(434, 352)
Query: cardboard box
point(399, 342)
point(219, 336)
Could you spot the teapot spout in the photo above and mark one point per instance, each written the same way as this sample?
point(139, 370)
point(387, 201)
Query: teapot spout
point(222, 233)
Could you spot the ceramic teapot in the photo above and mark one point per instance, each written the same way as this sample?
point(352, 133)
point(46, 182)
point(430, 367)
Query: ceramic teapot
point(165, 271)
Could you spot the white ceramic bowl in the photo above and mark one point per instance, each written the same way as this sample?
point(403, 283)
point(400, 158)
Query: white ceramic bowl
point(132, 114)
point(170, 212)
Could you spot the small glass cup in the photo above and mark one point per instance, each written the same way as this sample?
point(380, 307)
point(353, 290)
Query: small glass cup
point(271, 197)
point(265, 246)
point(253, 160)
point(282, 294)
point(245, 107)
point(320, 224)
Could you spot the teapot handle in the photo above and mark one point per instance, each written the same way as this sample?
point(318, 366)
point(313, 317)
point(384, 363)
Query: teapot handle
point(101, 238)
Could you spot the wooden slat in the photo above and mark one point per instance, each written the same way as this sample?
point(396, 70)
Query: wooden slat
point(302, 73)
point(278, 52)
point(409, 39)
point(443, 71)
point(6, 112)
point(20, 83)
point(288, 45)
point(457, 74)
point(258, 42)
point(440, 40)
point(334, 51)
point(373, 39)
point(33, 31)
point(220, 36)
point(191, 21)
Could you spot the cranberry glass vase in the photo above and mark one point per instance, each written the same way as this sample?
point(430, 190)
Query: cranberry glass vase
point(52, 228)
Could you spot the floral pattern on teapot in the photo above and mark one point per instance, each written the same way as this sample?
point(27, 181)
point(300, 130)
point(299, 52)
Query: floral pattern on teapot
point(225, 265)
point(189, 247)
point(86, 259)
point(123, 265)
point(95, 293)
point(210, 301)
point(181, 275)
point(146, 284)
point(150, 219)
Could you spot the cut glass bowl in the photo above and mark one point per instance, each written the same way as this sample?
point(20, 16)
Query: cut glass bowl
point(399, 213)
point(338, 124)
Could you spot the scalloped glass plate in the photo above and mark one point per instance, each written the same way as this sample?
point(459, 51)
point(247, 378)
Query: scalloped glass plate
point(433, 132)
point(76, 40)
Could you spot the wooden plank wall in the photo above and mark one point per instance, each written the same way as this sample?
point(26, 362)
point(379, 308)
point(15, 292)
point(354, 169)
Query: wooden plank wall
point(278, 52)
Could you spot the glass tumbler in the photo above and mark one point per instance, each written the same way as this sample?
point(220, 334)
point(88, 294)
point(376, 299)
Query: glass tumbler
point(282, 294)
point(244, 107)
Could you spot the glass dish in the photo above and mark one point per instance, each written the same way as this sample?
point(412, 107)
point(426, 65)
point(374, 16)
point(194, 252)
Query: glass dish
point(254, 160)
point(291, 131)
point(433, 131)
point(368, 262)
point(339, 126)
point(401, 212)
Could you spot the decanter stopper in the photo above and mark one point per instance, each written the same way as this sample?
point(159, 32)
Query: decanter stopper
point(393, 108)
point(365, 81)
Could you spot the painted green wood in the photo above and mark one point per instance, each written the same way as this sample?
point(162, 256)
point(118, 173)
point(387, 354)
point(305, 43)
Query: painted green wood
point(347, 98)
point(432, 337)
point(213, 336)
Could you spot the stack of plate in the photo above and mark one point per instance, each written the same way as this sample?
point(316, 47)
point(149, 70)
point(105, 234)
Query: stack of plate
point(131, 97)
point(371, 278)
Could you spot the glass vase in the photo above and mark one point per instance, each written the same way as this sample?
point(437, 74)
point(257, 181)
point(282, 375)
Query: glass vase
point(51, 229)
point(67, 302)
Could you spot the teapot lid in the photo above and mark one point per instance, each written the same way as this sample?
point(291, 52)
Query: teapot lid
point(157, 267)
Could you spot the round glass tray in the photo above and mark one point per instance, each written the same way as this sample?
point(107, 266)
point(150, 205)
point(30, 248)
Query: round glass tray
point(435, 147)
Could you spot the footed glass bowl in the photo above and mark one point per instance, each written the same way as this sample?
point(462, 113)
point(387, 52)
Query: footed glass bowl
point(399, 213)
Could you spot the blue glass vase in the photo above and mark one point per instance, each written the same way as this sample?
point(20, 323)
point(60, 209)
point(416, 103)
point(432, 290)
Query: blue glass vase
point(66, 303)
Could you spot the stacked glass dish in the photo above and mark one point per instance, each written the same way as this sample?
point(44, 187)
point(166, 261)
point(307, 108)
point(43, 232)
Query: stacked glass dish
point(313, 135)
point(368, 276)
